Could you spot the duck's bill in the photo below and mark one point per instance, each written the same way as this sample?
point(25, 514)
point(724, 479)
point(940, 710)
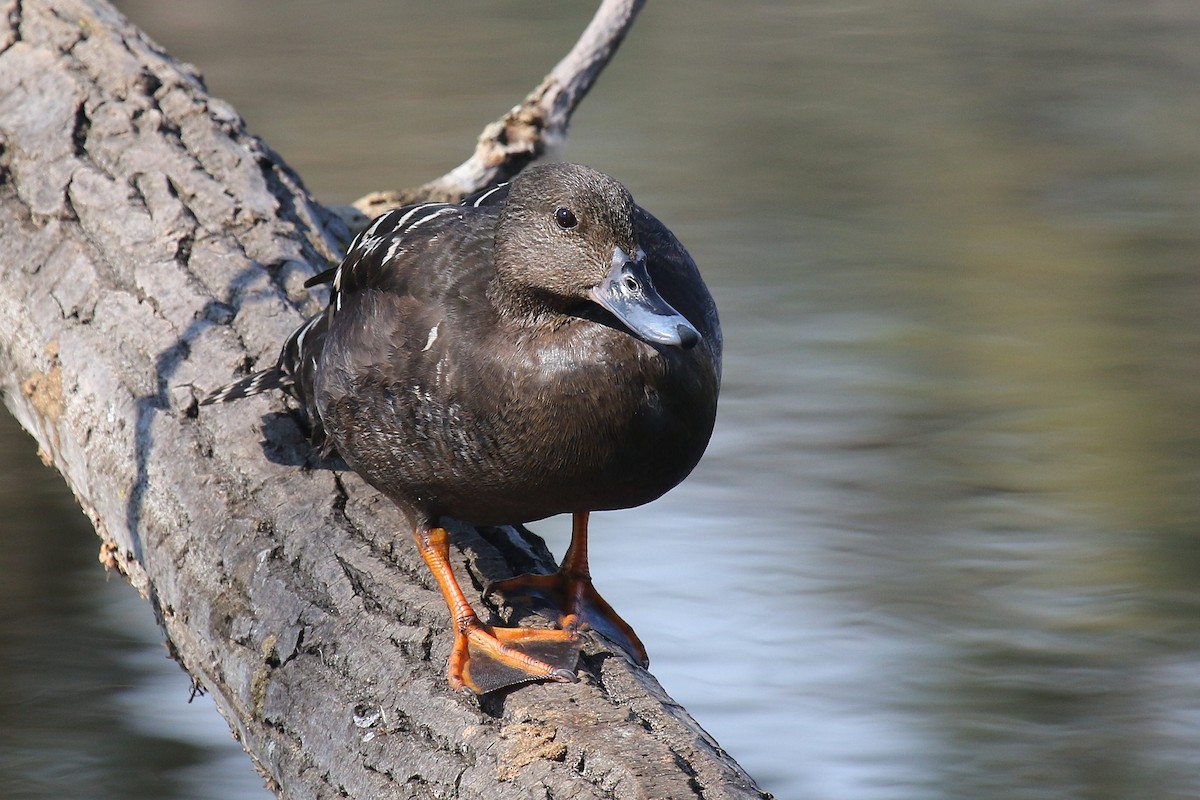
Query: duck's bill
point(629, 295)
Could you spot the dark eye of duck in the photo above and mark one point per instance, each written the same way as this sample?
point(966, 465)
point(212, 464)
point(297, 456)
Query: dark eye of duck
point(565, 218)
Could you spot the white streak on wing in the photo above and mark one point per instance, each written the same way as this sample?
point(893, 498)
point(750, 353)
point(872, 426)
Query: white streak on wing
point(337, 278)
point(376, 225)
point(396, 244)
point(304, 332)
point(433, 334)
point(438, 213)
point(361, 235)
point(489, 193)
point(369, 232)
point(408, 215)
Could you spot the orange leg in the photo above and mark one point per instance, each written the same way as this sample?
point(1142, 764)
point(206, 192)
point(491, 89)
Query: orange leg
point(485, 658)
point(570, 592)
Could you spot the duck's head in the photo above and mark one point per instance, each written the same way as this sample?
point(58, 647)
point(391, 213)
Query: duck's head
point(565, 237)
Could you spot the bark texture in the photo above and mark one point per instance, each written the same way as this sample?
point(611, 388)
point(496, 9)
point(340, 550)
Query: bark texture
point(150, 248)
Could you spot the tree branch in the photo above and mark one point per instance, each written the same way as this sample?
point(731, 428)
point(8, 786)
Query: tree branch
point(152, 245)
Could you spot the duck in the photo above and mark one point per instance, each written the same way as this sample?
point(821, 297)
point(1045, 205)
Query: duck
point(544, 347)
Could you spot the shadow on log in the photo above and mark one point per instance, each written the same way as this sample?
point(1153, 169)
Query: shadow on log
point(152, 248)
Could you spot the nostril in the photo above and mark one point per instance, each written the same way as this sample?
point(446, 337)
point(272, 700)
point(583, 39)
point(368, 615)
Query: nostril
point(631, 284)
point(689, 337)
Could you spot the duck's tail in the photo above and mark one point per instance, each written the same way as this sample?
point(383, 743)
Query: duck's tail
point(305, 342)
point(259, 382)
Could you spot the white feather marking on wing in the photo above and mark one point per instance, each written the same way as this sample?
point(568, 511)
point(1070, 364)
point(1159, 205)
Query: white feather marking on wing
point(408, 215)
point(438, 213)
point(489, 193)
point(433, 334)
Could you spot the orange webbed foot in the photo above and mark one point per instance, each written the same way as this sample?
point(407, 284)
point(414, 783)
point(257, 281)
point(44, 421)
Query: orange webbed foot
point(487, 658)
point(570, 593)
point(578, 606)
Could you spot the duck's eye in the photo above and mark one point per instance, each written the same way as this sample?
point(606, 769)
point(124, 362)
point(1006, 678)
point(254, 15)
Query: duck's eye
point(565, 218)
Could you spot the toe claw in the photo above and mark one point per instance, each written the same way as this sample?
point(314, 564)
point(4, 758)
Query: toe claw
point(564, 676)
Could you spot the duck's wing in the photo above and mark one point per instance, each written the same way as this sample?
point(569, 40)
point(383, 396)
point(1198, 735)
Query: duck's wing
point(378, 253)
point(405, 305)
point(491, 196)
point(396, 274)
